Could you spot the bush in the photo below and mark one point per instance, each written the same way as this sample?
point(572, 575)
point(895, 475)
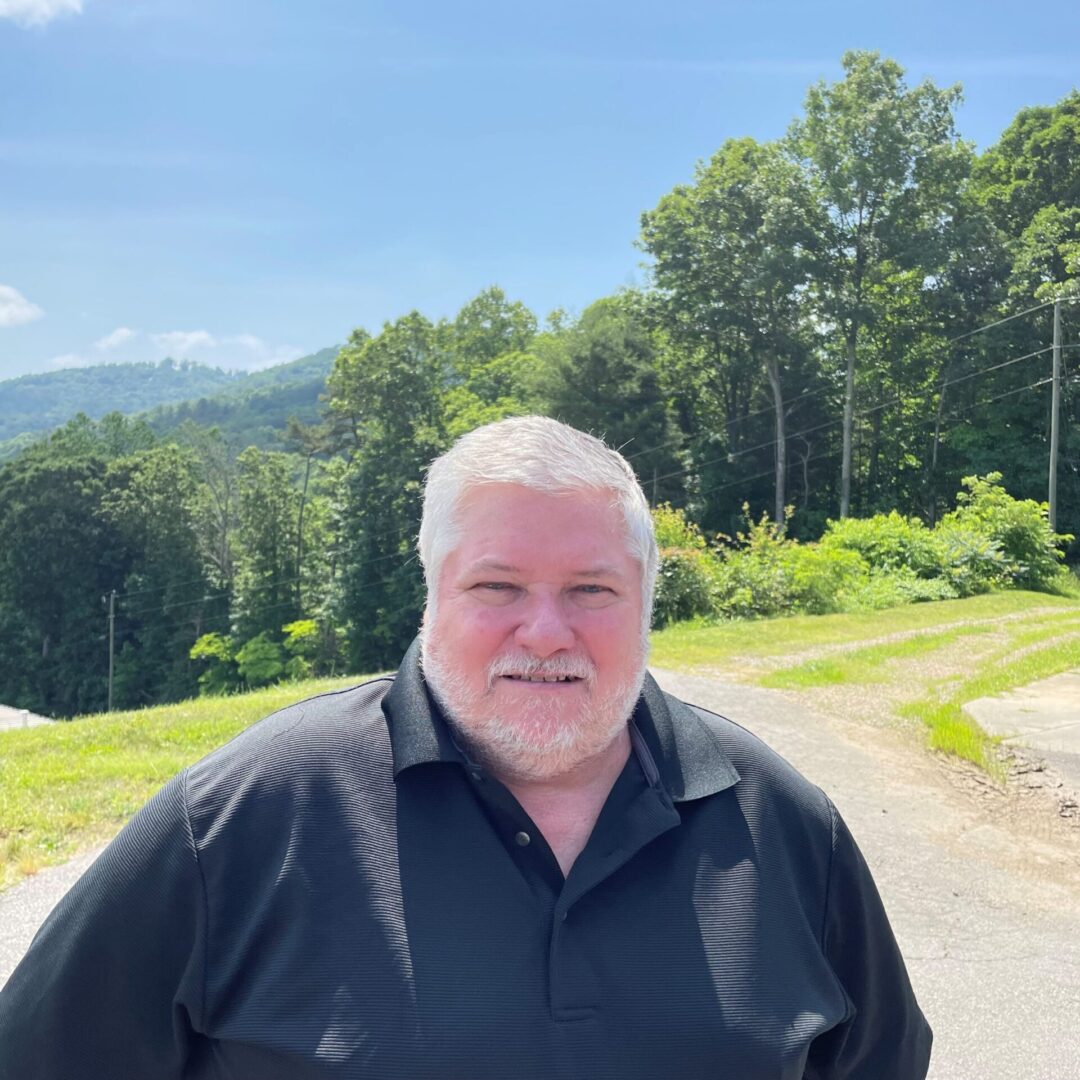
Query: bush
point(260, 661)
point(972, 563)
point(755, 579)
point(685, 586)
point(823, 580)
point(893, 588)
point(220, 675)
point(674, 531)
point(1020, 528)
point(888, 542)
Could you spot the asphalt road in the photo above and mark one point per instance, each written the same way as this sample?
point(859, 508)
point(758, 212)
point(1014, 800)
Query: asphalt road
point(991, 933)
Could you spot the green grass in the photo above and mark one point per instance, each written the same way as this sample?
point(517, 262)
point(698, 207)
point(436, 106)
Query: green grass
point(954, 732)
point(1047, 625)
point(66, 786)
point(697, 646)
point(865, 665)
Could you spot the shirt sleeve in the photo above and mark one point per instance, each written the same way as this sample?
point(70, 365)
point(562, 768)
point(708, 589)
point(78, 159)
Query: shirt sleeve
point(112, 984)
point(886, 1036)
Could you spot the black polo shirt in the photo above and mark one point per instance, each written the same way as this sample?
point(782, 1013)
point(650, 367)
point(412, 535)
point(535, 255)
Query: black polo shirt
point(339, 893)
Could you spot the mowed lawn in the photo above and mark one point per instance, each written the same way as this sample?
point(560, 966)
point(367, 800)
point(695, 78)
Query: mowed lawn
point(65, 787)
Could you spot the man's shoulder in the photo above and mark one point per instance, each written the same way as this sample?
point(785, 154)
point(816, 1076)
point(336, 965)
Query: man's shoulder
point(765, 777)
point(340, 733)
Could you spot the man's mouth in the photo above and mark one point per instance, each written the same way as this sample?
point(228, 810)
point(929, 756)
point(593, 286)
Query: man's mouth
point(544, 678)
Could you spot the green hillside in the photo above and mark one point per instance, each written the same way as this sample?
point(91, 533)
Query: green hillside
point(247, 406)
point(255, 411)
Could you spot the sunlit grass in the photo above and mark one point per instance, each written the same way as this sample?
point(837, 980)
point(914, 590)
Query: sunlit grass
point(865, 665)
point(1041, 627)
point(696, 645)
point(66, 786)
point(952, 731)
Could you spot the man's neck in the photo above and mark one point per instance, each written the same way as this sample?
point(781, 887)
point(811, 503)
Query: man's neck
point(565, 807)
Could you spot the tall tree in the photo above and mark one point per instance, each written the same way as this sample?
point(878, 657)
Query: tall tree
point(390, 388)
point(887, 168)
point(600, 374)
point(730, 262)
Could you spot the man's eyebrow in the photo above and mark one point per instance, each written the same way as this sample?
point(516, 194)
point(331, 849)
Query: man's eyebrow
point(600, 570)
point(493, 564)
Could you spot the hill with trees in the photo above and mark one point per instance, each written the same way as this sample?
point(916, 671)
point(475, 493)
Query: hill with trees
point(32, 405)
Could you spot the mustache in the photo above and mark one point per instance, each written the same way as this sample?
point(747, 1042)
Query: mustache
point(530, 666)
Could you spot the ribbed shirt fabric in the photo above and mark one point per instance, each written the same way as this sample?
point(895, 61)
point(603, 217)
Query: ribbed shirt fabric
point(340, 893)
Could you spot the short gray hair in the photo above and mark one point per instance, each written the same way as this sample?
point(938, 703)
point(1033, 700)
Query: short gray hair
point(545, 455)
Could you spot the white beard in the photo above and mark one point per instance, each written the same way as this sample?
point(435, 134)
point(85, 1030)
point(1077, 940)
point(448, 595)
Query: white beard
point(546, 737)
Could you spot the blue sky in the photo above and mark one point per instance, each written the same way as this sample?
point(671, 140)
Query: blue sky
point(242, 183)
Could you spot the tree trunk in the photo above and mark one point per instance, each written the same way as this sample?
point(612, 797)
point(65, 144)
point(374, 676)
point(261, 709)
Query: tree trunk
point(300, 538)
point(849, 421)
point(772, 370)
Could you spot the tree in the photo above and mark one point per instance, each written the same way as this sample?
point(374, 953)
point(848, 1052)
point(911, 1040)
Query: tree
point(151, 499)
point(390, 388)
point(268, 513)
point(730, 263)
point(886, 165)
point(600, 375)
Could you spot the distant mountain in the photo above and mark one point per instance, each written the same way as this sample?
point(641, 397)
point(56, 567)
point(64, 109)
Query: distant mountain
point(169, 392)
point(256, 411)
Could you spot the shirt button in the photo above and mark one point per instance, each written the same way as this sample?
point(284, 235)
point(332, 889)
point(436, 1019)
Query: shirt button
point(522, 839)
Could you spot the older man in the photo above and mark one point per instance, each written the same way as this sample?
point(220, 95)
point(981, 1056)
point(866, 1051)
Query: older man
point(516, 858)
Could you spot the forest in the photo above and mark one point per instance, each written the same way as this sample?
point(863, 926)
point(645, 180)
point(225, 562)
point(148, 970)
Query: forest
point(845, 322)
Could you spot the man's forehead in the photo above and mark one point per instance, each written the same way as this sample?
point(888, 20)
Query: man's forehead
point(586, 570)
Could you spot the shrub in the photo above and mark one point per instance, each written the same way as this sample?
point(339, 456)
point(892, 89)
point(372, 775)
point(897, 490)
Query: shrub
point(674, 531)
point(971, 562)
point(893, 588)
point(685, 586)
point(1019, 527)
point(220, 675)
point(823, 580)
point(755, 579)
point(888, 542)
point(260, 661)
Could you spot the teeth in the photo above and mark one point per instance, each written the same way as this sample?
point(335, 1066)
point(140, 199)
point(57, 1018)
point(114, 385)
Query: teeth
point(543, 678)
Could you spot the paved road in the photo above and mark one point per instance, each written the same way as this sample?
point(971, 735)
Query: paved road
point(993, 949)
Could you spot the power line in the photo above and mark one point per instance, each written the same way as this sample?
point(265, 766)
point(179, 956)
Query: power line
point(868, 411)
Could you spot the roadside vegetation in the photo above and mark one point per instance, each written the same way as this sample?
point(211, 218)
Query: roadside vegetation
point(65, 787)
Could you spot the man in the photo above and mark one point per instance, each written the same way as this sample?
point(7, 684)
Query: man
point(515, 859)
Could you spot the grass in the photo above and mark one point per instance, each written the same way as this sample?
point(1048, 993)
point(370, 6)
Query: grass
point(865, 665)
point(64, 787)
point(952, 731)
point(1043, 629)
point(697, 646)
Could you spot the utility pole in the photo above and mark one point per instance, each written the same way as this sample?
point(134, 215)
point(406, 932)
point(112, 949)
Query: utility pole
point(112, 639)
point(1055, 408)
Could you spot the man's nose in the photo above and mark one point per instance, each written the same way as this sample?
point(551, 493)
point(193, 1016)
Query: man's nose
point(545, 627)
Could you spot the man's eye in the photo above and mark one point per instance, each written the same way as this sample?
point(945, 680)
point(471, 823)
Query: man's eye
point(593, 590)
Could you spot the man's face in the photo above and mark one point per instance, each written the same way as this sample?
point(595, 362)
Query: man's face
point(536, 649)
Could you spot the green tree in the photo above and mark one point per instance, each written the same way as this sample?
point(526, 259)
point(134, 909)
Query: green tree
point(600, 374)
point(390, 389)
point(886, 166)
point(151, 498)
point(268, 513)
point(730, 263)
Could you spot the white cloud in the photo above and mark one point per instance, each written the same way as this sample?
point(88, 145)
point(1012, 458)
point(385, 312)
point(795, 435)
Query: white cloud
point(15, 309)
point(37, 12)
point(117, 337)
point(247, 341)
point(178, 343)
